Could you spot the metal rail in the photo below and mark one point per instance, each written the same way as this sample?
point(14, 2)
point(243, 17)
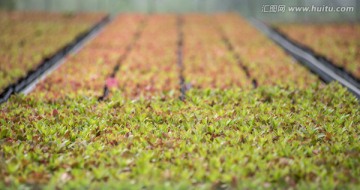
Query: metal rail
point(306, 58)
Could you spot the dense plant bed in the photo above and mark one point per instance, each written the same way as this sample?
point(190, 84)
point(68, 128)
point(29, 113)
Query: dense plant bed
point(28, 38)
point(267, 62)
point(85, 73)
point(149, 66)
point(292, 131)
point(340, 43)
point(270, 137)
point(151, 69)
point(207, 61)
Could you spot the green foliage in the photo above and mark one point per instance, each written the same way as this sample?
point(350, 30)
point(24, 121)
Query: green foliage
point(265, 138)
point(28, 38)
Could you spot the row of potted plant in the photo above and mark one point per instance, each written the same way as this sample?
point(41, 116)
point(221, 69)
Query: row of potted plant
point(267, 62)
point(151, 67)
point(85, 72)
point(28, 38)
point(208, 63)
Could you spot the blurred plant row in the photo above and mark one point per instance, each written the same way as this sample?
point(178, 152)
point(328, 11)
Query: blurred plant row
point(339, 43)
point(28, 38)
point(148, 65)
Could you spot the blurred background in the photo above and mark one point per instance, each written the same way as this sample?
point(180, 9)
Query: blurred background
point(261, 9)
